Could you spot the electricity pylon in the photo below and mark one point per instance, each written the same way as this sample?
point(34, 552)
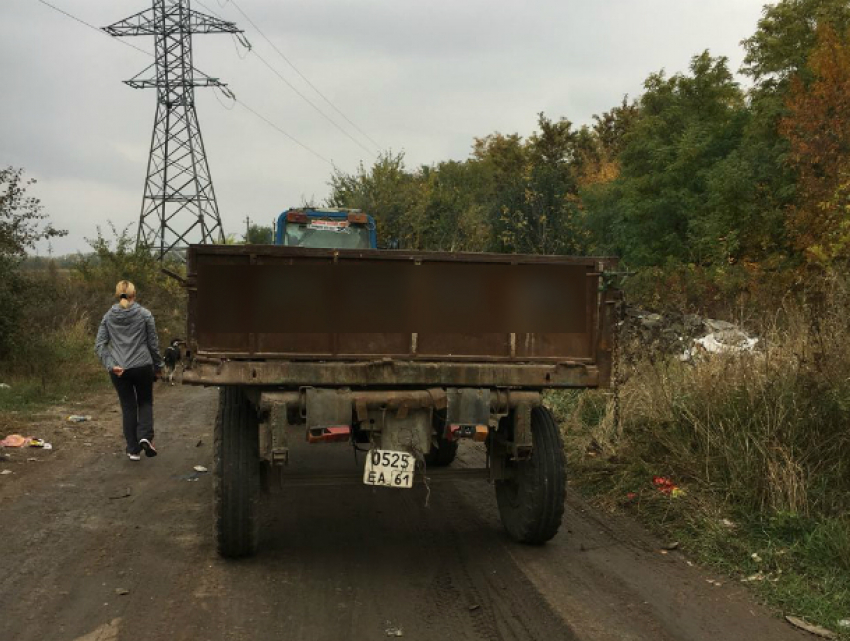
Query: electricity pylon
point(179, 205)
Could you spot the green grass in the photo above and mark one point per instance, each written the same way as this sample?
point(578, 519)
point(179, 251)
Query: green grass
point(49, 368)
point(29, 394)
point(805, 560)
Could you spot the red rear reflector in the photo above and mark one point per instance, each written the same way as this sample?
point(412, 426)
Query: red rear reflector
point(336, 434)
point(296, 217)
point(358, 219)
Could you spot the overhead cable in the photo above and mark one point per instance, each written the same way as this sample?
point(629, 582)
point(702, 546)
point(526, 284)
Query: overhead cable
point(294, 88)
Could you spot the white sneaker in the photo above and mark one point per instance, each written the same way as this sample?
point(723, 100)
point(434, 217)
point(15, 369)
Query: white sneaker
point(134, 457)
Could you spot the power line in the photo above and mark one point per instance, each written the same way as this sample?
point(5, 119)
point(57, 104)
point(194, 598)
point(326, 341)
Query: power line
point(233, 97)
point(274, 126)
point(91, 26)
point(307, 80)
point(313, 105)
point(303, 77)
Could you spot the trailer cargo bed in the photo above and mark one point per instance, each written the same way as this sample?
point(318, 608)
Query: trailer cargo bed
point(284, 316)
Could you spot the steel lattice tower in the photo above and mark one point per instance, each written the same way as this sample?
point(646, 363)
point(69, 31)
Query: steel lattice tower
point(179, 205)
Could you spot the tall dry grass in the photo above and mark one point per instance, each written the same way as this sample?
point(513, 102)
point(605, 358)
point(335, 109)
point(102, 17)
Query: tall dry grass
point(767, 430)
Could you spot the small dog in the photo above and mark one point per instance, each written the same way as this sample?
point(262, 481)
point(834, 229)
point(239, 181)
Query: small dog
point(172, 359)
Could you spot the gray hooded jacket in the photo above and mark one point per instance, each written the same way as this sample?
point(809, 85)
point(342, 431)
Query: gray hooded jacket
point(127, 338)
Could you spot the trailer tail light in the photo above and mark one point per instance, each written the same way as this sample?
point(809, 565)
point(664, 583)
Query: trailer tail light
point(296, 217)
point(358, 219)
point(335, 434)
point(477, 433)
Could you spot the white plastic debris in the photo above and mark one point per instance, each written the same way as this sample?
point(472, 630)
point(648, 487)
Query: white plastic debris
point(728, 341)
point(199, 468)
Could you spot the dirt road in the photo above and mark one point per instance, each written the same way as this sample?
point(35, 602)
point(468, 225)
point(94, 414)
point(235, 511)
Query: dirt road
point(82, 523)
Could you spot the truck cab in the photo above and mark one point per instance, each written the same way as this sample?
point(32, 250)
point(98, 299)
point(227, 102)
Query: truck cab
point(328, 228)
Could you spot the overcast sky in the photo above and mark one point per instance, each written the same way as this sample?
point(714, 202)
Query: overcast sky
point(422, 77)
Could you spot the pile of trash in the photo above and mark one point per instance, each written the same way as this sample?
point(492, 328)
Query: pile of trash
point(686, 335)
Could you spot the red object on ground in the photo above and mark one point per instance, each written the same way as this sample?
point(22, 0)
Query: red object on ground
point(664, 485)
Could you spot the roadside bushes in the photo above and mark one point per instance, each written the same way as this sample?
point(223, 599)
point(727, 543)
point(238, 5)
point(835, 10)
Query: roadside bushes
point(49, 341)
point(756, 443)
point(765, 431)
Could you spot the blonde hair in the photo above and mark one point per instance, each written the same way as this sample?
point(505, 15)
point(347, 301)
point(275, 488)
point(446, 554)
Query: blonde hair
point(125, 292)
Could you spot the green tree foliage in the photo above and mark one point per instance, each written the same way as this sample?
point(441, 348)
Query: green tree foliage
point(259, 235)
point(116, 257)
point(786, 35)
point(668, 201)
point(696, 173)
point(22, 224)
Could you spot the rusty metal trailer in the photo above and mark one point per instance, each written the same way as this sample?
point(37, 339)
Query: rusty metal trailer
point(401, 353)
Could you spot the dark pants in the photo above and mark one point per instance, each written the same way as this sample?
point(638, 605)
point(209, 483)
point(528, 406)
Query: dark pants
point(135, 391)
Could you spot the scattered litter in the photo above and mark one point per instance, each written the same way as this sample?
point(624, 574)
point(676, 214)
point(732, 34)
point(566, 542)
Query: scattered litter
point(189, 477)
point(663, 551)
point(844, 623)
point(631, 496)
point(32, 460)
point(473, 608)
point(121, 494)
point(200, 468)
point(727, 523)
point(811, 628)
point(667, 487)
point(727, 341)
point(394, 632)
point(755, 557)
point(672, 546)
point(758, 576)
point(716, 584)
point(5, 472)
point(14, 440)
point(39, 442)
point(122, 591)
point(78, 418)
point(5, 386)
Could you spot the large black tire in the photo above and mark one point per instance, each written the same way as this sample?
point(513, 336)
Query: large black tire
point(531, 503)
point(236, 476)
point(443, 452)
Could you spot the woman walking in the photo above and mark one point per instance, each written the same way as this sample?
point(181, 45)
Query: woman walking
point(128, 347)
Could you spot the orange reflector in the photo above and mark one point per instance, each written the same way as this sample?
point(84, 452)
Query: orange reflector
point(358, 219)
point(296, 217)
point(335, 434)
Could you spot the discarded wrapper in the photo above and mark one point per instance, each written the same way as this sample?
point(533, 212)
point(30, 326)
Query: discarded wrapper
point(14, 440)
point(199, 468)
point(78, 418)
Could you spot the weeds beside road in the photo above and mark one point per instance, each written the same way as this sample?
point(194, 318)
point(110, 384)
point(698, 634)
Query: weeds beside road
point(757, 446)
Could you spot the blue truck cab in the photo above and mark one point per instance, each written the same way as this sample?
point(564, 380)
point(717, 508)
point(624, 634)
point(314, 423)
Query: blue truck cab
point(328, 228)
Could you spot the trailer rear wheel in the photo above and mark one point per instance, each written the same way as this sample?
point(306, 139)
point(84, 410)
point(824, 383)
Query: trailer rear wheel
point(531, 500)
point(236, 477)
